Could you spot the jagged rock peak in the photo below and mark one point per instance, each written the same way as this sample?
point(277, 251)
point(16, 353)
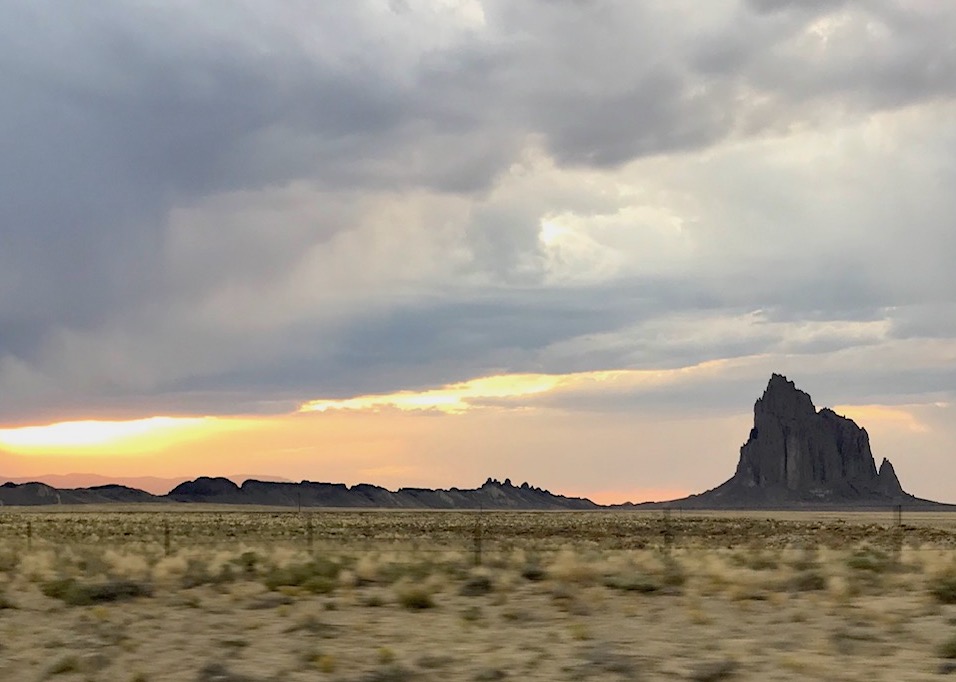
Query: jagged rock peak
point(793, 447)
point(887, 481)
point(782, 397)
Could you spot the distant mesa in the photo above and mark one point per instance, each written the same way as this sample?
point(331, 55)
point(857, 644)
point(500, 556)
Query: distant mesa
point(493, 494)
point(797, 456)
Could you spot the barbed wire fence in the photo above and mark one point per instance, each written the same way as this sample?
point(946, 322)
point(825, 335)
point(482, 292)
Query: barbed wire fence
point(482, 534)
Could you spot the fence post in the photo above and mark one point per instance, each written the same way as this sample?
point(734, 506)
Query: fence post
point(29, 535)
point(668, 533)
point(478, 534)
point(309, 530)
point(166, 545)
point(899, 533)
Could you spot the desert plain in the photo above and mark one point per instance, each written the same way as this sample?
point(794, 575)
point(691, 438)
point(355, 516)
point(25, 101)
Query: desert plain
point(236, 594)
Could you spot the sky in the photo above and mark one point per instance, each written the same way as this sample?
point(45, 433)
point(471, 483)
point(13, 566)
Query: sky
point(427, 242)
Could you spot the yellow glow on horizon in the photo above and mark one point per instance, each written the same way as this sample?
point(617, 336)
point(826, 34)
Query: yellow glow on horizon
point(95, 436)
point(898, 417)
point(463, 396)
point(451, 399)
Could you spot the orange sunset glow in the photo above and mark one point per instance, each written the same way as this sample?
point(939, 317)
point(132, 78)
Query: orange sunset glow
point(103, 437)
point(498, 425)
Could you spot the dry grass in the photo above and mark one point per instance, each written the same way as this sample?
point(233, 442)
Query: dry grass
point(557, 596)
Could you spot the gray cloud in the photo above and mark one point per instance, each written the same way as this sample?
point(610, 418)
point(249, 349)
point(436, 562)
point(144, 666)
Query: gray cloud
point(219, 207)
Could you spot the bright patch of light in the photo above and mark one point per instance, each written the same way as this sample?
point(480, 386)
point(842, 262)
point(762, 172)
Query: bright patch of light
point(107, 437)
point(451, 399)
point(510, 390)
point(897, 417)
point(550, 233)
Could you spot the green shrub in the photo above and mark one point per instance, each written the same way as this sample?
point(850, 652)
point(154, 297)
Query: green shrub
point(870, 559)
point(476, 586)
point(633, 582)
point(66, 664)
point(944, 589)
point(754, 560)
point(673, 574)
point(197, 573)
point(415, 599)
point(808, 581)
point(75, 593)
point(948, 648)
point(8, 562)
point(247, 562)
point(318, 576)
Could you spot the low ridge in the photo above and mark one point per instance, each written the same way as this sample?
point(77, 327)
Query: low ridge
point(493, 494)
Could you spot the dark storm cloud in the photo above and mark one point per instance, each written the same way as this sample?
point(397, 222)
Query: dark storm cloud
point(194, 198)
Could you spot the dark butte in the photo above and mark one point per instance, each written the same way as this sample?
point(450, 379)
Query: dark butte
point(798, 457)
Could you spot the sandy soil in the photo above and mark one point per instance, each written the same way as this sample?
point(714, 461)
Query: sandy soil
point(530, 630)
point(593, 611)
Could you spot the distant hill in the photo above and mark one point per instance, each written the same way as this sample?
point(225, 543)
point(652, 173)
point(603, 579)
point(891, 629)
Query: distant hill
point(492, 495)
point(33, 494)
point(156, 485)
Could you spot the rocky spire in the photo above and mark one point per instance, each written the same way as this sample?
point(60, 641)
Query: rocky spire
point(803, 453)
point(887, 482)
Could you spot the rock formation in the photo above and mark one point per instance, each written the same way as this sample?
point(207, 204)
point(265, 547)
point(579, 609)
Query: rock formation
point(797, 456)
point(218, 490)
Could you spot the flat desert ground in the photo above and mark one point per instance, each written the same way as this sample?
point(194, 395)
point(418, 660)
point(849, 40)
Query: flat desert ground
point(235, 594)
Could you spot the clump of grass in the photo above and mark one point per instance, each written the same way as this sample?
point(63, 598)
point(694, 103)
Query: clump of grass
point(472, 614)
point(247, 563)
point(389, 673)
point(415, 599)
point(325, 663)
point(64, 665)
point(75, 593)
point(533, 572)
point(373, 600)
point(944, 587)
point(805, 559)
point(568, 567)
point(870, 559)
point(314, 626)
point(809, 580)
point(580, 632)
point(948, 648)
point(633, 582)
point(9, 561)
point(673, 574)
point(755, 560)
point(318, 576)
point(476, 586)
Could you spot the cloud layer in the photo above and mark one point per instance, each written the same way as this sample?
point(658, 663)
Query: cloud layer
point(236, 208)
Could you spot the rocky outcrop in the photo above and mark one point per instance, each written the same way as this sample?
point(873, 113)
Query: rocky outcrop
point(794, 447)
point(796, 456)
point(204, 489)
